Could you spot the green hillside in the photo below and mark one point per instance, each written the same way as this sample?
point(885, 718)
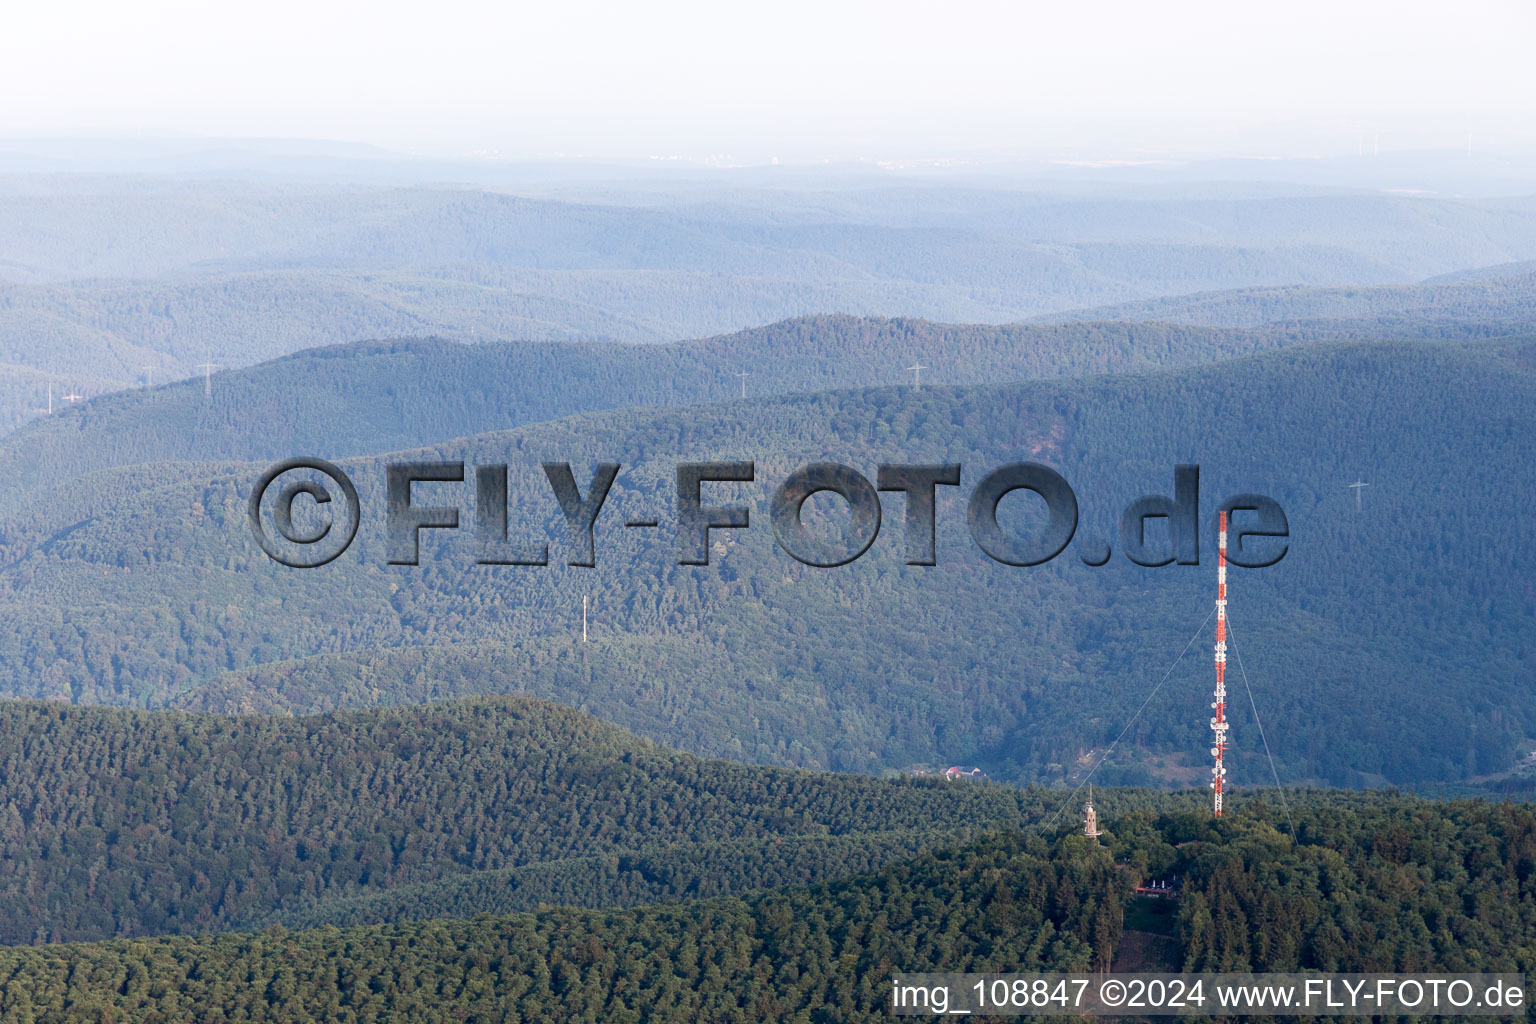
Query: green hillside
point(117, 822)
point(653, 874)
point(153, 588)
point(1369, 883)
point(824, 950)
point(382, 396)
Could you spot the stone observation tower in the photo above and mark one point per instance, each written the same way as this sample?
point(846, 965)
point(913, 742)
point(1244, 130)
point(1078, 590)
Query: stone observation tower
point(1091, 819)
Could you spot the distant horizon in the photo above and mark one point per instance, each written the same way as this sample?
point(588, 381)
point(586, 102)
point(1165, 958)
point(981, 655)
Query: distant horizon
point(1493, 172)
point(1365, 147)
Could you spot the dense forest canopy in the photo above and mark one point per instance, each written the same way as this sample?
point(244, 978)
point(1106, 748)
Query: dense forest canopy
point(1379, 883)
point(410, 392)
point(118, 822)
point(389, 395)
point(877, 664)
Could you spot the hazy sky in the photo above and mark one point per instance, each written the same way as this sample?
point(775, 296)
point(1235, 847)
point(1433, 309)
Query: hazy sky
point(801, 80)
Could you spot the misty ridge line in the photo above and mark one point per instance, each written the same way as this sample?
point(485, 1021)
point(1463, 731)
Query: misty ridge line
point(236, 273)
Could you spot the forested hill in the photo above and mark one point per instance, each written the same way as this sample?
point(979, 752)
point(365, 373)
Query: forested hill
point(1499, 299)
point(958, 246)
point(382, 396)
point(160, 591)
point(116, 822)
point(827, 950)
point(109, 283)
point(388, 395)
point(1365, 884)
point(1498, 270)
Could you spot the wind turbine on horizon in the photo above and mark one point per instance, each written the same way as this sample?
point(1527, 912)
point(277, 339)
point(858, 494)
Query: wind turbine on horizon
point(917, 369)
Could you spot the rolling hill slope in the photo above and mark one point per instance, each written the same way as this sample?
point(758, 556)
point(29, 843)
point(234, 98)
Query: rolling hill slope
point(79, 227)
point(148, 595)
point(1496, 300)
point(1368, 884)
point(721, 960)
point(131, 823)
point(111, 282)
point(377, 396)
point(384, 395)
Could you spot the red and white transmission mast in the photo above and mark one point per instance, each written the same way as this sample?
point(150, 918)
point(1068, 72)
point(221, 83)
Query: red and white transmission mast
point(1219, 720)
